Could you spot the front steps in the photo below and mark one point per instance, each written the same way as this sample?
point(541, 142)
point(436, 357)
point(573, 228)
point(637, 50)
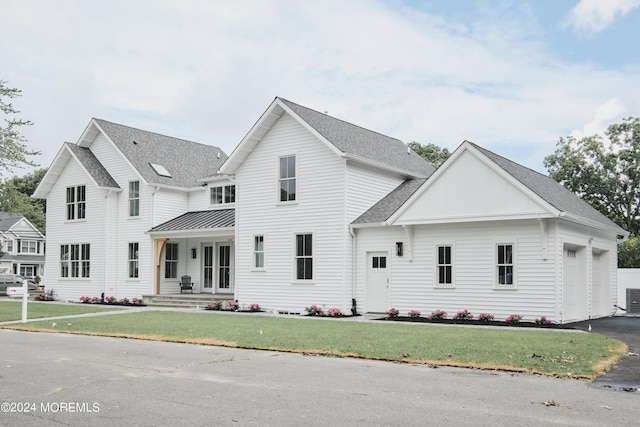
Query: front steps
point(184, 300)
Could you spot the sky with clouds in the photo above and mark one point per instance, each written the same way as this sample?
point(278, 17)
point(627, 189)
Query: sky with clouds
point(511, 76)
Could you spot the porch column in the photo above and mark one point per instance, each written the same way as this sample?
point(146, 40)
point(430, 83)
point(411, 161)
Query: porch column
point(158, 248)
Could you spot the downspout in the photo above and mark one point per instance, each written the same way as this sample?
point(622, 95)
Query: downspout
point(105, 231)
point(354, 257)
point(543, 232)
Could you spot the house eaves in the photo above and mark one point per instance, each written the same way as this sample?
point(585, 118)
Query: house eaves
point(149, 154)
point(344, 139)
point(96, 172)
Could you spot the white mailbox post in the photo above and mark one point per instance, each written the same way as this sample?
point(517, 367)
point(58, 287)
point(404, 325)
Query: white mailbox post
point(21, 291)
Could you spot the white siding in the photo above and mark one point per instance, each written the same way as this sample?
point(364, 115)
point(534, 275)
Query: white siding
point(319, 209)
point(470, 189)
point(413, 276)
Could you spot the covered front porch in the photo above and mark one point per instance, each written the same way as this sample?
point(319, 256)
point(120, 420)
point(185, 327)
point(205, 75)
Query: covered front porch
point(200, 245)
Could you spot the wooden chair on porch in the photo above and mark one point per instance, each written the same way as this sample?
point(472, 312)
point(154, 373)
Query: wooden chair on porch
point(186, 284)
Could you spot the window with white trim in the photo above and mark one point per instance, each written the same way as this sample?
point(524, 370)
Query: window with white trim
point(445, 266)
point(76, 202)
point(258, 252)
point(28, 246)
point(8, 245)
point(505, 264)
point(304, 256)
point(223, 194)
point(132, 260)
point(171, 261)
point(134, 198)
point(287, 179)
point(75, 260)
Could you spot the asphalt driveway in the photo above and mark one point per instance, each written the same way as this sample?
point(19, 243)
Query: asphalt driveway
point(625, 375)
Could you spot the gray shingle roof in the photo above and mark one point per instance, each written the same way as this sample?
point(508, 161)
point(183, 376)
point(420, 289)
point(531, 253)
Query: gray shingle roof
point(186, 161)
point(363, 143)
point(548, 189)
point(93, 166)
point(199, 220)
point(545, 187)
point(382, 210)
point(8, 220)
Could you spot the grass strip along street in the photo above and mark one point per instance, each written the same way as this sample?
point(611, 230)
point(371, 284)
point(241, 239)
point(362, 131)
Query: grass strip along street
point(548, 352)
point(12, 310)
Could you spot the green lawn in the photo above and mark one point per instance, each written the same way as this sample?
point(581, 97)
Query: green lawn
point(12, 310)
point(560, 353)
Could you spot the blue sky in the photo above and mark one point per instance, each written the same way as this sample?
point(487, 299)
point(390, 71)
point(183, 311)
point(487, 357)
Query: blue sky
point(511, 76)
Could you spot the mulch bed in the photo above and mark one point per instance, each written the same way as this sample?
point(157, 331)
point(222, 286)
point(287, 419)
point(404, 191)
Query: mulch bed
point(474, 322)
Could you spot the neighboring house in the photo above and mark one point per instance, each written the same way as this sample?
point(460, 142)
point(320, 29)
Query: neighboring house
point(309, 209)
point(23, 246)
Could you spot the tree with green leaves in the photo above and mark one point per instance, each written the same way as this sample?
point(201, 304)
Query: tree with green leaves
point(431, 153)
point(13, 150)
point(604, 172)
point(15, 196)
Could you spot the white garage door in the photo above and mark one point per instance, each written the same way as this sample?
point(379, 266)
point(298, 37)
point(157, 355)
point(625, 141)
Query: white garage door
point(600, 296)
point(570, 285)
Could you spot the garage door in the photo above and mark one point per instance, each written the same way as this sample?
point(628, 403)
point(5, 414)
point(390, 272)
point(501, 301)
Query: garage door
point(600, 296)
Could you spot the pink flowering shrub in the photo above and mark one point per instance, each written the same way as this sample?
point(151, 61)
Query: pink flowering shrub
point(463, 315)
point(486, 317)
point(314, 310)
point(414, 314)
point(335, 312)
point(437, 315)
point(214, 305)
point(543, 321)
point(393, 312)
point(513, 319)
point(233, 305)
point(254, 307)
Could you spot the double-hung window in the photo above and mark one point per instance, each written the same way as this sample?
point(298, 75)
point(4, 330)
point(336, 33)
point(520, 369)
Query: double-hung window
point(287, 179)
point(171, 261)
point(75, 260)
point(134, 198)
point(505, 264)
point(132, 260)
point(304, 256)
point(445, 266)
point(258, 252)
point(76, 202)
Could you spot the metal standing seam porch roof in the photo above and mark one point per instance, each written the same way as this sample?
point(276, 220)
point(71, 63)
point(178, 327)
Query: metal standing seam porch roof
point(198, 220)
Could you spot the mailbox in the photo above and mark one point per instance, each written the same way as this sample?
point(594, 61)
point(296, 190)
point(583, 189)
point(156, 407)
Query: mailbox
point(16, 291)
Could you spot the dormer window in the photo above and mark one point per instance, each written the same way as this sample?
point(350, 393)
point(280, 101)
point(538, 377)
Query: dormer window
point(223, 194)
point(76, 202)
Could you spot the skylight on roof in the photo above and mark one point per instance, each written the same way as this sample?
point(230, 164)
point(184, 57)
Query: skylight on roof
point(160, 170)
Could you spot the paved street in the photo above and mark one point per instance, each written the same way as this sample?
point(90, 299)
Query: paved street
point(49, 379)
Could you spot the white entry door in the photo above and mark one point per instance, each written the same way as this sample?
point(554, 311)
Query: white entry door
point(377, 287)
point(225, 268)
point(207, 268)
point(570, 285)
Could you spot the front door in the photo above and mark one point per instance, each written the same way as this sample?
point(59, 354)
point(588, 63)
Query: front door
point(377, 289)
point(225, 268)
point(208, 266)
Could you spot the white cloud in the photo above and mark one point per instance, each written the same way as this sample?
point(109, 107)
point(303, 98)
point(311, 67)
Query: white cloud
point(596, 15)
point(610, 112)
point(205, 71)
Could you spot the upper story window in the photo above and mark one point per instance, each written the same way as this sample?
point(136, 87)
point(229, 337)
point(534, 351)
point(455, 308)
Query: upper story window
point(171, 261)
point(445, 266)
point(134, 198)
point(8, 245)
point(287, 179)
point(29, 247)
point(76, 202)
point(223, 194)
point(505, 265)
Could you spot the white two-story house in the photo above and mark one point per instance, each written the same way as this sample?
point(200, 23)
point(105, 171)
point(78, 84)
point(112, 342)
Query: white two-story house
point(23, 246)
point(310, 209)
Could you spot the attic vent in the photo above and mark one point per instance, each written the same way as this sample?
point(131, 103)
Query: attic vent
point(160, 170)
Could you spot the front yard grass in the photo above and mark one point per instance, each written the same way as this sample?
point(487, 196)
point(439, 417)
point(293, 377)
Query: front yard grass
point(12, 310)
point(557, 353)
